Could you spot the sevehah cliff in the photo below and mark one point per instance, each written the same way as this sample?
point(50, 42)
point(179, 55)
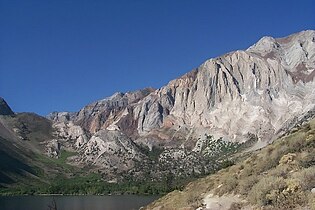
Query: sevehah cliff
point(259, 92)
point(241, 100)
point(253, 91)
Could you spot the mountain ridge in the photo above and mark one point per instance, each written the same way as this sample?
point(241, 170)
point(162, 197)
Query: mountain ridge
point(254, 93)
point(191, 126)
point(182, 101)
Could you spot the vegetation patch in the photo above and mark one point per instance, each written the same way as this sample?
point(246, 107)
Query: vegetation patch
point(279, 176)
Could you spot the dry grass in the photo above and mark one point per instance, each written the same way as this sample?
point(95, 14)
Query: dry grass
point(280, 176)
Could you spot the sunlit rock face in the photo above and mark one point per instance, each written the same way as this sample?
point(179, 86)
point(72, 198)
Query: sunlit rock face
point(258, 91)
point(252, 91)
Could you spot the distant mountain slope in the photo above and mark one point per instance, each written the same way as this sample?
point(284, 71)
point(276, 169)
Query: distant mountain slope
point(22, 138)
point(12, 164)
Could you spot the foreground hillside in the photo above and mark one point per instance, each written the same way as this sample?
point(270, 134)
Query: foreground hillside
point(279, 176)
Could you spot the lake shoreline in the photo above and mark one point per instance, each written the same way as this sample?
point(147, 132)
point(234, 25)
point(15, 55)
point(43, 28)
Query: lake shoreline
point(54, 194)
point(76, 202)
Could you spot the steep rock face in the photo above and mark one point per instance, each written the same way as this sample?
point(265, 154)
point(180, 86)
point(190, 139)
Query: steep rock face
point(72, 136)
point(110, 112)
point(112, 151)
point(256, 92)
point(155, 111)
point(252, 91)
point(61, 116)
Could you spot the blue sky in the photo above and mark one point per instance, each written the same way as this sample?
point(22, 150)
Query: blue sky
point(61, 55)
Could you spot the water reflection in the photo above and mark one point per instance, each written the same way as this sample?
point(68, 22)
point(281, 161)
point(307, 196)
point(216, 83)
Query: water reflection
point(115, 202)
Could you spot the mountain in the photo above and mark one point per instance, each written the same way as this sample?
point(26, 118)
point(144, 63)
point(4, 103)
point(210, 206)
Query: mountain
point(21, 136)
point(4, 108)
point(237, 102)
point(260, 92)
point(253, 91)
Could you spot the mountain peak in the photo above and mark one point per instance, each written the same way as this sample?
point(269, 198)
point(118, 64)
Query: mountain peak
point(265, 44)
point(229, 96)
point(4, 108)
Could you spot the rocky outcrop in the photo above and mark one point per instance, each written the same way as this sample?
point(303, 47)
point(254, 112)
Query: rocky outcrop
point(53, 148)
point(72, 136)
point(110, 111)
point(61, 116)
point(111, 151)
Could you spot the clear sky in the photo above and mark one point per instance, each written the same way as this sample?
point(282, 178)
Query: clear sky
point(59, 55)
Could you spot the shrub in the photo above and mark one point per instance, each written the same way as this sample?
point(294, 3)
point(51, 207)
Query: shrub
point(278, 193)
point(306, 178)
point(288, 159)
point(292, 196)
point(266, 163)
point(248, 170)
point(280, 171)
point(236, 206)
point(246, 184)
point(264, 191)
point(307, 159)
point(229, 183)
point(194, 200)
point(311, 201)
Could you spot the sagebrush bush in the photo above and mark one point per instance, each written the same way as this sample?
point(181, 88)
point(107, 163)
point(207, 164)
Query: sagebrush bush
point(248, 170)
point(311, 201)
point(306, 177)
point(263, 190)
point(236, 206)
point(307, 158)
point(246, 184)
point(291, 197)
point(280, 171)
point(278, 192)
point(194, 200)
point(229, 183)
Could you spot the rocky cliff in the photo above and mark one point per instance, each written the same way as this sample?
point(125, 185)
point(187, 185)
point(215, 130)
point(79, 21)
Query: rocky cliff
point(255, 92)
point(252, 91)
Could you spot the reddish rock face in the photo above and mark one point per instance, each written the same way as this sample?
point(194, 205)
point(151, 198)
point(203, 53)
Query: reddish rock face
point(115, 109)
point(302, 73)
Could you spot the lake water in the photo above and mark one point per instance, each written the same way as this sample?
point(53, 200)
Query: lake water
point(114, 202)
